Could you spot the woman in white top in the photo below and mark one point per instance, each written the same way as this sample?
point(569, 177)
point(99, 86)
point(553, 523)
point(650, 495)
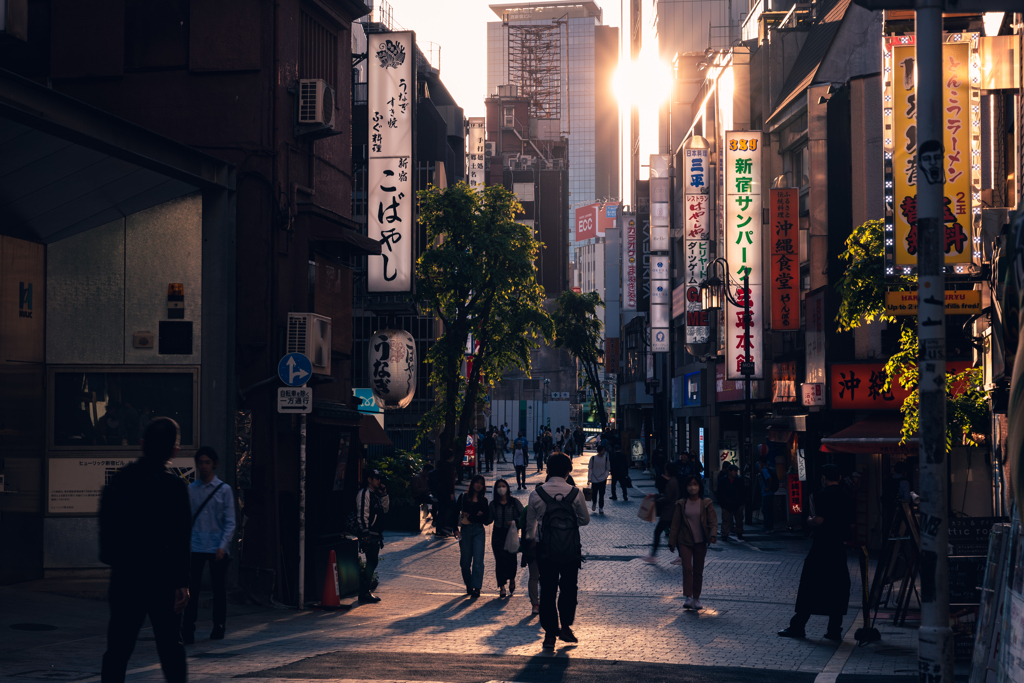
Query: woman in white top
point(597, 475)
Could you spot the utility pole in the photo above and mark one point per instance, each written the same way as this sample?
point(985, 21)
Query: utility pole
point(935, 638)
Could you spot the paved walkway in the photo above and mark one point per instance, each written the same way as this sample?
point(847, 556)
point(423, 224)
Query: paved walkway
point(629, 611)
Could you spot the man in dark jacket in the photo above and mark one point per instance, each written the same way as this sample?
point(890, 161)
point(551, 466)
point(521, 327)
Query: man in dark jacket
point(146, 538)
point(825, 580)
point(732, 495)
point(620, 473)
point(490, 445)
point(372, 503)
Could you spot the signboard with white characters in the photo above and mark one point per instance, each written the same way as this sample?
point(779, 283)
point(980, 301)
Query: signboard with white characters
point(294, 400)
point(75, 484)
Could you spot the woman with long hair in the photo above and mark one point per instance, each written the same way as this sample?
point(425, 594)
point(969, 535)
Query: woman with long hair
point(694, 527)
point(474, 515)
point(505, 511)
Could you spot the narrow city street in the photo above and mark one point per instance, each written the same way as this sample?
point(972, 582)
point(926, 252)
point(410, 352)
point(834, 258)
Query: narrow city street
point(631, 623)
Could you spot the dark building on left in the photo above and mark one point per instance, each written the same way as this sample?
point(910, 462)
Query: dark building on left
point(175, 185)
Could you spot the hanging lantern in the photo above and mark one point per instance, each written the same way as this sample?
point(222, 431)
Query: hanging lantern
point(392, 364)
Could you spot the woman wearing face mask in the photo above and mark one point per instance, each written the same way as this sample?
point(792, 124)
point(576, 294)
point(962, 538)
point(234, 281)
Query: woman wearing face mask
point(505, 511)
point(474, 514)
point(694, 526)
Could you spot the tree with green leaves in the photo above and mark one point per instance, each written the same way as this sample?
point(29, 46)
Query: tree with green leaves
point(477, 276)
point(862, 288)
point(579, 331)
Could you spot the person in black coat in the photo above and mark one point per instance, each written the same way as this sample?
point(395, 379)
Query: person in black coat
point(146, 538)
point(620, 473)
point(825, 580)
point(732, 494)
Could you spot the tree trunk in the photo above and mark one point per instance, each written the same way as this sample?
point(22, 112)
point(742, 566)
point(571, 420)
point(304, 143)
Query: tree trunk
point(592, 378)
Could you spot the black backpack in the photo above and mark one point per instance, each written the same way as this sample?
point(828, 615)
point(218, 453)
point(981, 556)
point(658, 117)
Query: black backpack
point(560, 529)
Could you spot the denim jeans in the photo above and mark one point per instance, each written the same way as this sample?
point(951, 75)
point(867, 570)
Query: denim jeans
point(471, 546)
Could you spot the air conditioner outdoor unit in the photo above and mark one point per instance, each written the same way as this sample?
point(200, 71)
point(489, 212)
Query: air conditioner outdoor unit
point(315, 108)
point(489, 148)
point(310, 335)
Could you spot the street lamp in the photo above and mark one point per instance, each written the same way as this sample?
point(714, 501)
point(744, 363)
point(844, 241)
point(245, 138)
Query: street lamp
point(714, 292)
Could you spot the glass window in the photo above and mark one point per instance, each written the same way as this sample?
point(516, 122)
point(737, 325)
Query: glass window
point(110, 409)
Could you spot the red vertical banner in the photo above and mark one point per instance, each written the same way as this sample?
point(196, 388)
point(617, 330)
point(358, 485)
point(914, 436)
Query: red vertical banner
point(796, 494)
point(785, 255)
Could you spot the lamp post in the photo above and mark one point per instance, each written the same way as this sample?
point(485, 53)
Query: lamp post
point(714, 292)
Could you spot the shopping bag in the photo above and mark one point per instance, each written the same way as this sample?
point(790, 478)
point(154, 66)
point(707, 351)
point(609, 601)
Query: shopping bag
point(647, 510)
point(588, 494)
point(512, 540)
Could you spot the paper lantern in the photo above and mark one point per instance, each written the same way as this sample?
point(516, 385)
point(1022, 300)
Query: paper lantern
point(392, 363)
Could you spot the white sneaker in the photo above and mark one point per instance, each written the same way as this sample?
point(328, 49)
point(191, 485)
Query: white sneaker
point(651, 559)
point(740, 540)
point(677, 561)
point(688, 603)
point(697, 604)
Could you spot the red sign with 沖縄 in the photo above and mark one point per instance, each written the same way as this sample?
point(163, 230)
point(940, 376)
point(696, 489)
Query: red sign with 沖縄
point(859, 386)
point(784, 231)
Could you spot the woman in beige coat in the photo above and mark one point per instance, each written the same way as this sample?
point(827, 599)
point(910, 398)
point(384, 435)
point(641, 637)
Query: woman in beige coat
point(694, 527)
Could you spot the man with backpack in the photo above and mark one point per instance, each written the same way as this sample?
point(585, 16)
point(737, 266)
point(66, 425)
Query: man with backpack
point(520, 456)
point(769, 485)
point(555, 513)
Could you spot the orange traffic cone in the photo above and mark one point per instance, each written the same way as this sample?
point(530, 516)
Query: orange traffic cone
point(330, 596)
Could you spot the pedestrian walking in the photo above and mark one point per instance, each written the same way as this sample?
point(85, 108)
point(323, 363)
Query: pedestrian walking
point(372, 503)
point(658, 462)
point(688, 465)
point(538, 451)
point(213, 528)
point(580, 438)
point(519, 460)
point(145, 533)
point(474, 515)
point(825, 579)
point(555, 513)
point(694, 527)
point(504, 441)
point(668, 495)
point(769, 485)
point(597, 475)
point(506, 512)
point(489, 446)
point(732, 494)
point(620, 473)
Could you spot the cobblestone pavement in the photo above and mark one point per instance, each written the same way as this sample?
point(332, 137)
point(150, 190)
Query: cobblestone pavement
point(629, 611)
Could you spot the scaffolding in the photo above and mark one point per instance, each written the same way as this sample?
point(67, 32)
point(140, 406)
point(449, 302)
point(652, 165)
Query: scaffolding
point(535, 65)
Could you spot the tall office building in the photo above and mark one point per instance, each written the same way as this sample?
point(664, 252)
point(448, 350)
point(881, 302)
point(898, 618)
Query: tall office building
point(563, 59)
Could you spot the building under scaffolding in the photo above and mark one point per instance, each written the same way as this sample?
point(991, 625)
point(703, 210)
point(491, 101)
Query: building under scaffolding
point(535, 64)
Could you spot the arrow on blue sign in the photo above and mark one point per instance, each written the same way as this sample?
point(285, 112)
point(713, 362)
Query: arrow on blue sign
point(294, 369)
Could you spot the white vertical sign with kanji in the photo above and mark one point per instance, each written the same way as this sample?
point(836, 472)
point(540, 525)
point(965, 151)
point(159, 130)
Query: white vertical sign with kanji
point(743, 250)
point(696, 235)
point(476, 152)
point(391, 94)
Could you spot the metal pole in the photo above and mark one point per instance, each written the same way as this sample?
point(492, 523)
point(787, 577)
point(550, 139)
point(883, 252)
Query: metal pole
point(748, 436)
point(935, 638)
point(302, 512)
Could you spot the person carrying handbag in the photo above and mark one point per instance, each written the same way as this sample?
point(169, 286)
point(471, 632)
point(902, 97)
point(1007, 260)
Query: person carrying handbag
point(474, 515)
point(505, 511)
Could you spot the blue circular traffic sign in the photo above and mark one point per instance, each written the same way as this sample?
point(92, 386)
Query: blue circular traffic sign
point(295, 369)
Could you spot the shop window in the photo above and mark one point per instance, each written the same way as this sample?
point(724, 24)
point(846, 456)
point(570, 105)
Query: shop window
point(104, 408)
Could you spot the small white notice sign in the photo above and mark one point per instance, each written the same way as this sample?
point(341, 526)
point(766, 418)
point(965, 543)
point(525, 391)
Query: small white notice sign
point(294, 400)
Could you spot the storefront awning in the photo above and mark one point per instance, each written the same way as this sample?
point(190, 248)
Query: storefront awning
point(371, 433)
point(873, 435)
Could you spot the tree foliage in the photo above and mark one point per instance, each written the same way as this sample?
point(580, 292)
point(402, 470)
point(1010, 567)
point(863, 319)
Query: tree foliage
point(477, 276)
point(578, 330)
point(862, 290)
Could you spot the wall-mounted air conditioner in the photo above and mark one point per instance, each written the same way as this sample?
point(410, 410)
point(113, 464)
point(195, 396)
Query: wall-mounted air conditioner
point(310, 335)
point(315, 111)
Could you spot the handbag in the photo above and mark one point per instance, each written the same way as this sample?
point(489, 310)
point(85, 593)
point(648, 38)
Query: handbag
point(647, 510)
point(512, 540)
point(588, 494)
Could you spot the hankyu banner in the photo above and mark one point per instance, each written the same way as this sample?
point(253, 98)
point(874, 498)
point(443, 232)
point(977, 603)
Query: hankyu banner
point(742, 207)
point(476, 153)
point(784, 230)
point(391, 97)
point(389, 221)
point(630, 262)
point(952, 159)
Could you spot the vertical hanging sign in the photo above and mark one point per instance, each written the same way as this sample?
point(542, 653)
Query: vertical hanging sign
point(743, 249)
point(785, 251)
point(389, 215)
point(661, 270)
point(696, 234)
point(630, 264)
point(955, 160)
point(476, 153)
